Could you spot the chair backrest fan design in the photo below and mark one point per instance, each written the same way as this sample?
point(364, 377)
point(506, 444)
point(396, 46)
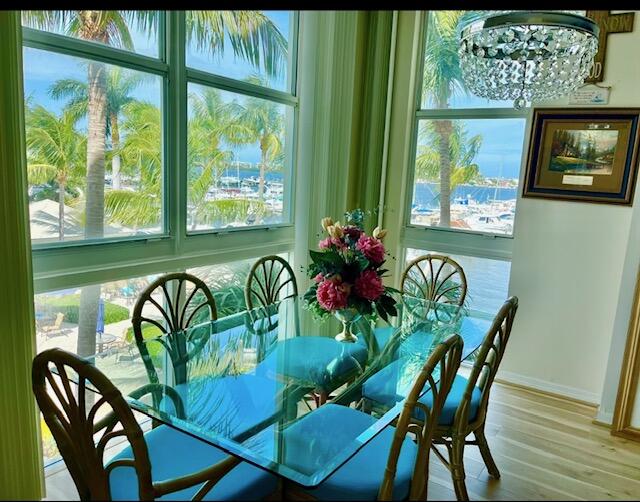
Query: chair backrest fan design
point(72, 420)
point(270, 280)
point(183, 306)
point(435, 277)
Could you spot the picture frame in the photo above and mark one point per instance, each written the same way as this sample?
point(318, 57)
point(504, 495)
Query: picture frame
point(583, 154)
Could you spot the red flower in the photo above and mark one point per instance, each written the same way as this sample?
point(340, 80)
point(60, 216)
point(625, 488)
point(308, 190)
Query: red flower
point(352, 232)
point(333, 294)
point(318, 278)
point(369, 285)
point(372, 248)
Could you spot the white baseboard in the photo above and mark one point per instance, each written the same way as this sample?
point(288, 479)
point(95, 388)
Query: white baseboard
point(545, 386)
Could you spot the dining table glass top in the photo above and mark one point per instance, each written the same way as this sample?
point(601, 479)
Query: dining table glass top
point(243, 382)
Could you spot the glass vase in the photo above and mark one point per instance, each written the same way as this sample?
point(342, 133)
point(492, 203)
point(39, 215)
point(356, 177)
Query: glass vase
point(347, 317)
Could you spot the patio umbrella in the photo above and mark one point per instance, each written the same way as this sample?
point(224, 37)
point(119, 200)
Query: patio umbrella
point(100, 321)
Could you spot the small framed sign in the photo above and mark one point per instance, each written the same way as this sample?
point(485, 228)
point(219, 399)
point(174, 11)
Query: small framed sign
point(590, 95)
point(583, 154)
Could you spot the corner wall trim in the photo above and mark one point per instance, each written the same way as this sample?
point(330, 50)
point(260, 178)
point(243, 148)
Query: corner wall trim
point(605, 417)
point(553, 388)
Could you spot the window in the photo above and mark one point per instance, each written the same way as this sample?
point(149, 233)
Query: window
point(64, 195)
point(268, 61)
point(464, 177)
point(468, 149)
point(106, 142)
point(94, 130)
point(238, 162)
point(240, 118)
point(130, 30)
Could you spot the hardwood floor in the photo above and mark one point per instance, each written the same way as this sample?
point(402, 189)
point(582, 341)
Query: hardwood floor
point(546, 448)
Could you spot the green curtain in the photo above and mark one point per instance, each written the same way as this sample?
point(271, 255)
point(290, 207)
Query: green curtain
point(370, 101)
point(20, 455)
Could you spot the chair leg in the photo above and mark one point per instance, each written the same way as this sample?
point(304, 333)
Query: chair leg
point(322, 398)
point(456, 454)
point(486, 453)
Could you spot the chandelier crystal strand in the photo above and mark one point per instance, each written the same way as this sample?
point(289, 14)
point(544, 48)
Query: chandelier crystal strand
point(527, 56)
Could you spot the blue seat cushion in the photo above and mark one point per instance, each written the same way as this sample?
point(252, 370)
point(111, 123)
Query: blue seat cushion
point(174, 454)
point(321, 434)
point(391, 384)
point(228, 405)
point(315, 360)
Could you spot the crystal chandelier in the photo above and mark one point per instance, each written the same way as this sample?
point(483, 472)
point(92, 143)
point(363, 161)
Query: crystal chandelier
point(527, 56)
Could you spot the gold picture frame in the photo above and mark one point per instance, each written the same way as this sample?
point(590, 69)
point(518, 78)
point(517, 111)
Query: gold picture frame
point(583, 154)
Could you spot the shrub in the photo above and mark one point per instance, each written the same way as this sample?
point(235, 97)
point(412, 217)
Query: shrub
point(70, 306)
point(148, 332)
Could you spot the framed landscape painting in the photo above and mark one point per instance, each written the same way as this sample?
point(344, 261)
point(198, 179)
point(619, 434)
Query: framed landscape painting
point(583, 154)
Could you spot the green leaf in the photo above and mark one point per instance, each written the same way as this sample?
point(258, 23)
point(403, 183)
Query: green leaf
point(381, 312)
point(311, 293)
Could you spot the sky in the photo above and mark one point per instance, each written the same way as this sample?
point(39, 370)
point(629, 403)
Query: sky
point(500, 154)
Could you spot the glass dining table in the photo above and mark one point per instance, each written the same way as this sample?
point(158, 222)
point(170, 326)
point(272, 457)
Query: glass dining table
point(243, 383)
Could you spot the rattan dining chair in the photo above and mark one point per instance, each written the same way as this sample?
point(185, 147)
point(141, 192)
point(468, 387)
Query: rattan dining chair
point(271, 280)
point(160, 462)
point(431, 277)
point(392, 466)
point(185, 305)
point(215, 394)
point(470, 400)
point(435, 277)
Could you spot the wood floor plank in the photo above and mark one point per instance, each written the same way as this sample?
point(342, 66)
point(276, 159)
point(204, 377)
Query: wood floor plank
point(615, 450)
point(591, 457)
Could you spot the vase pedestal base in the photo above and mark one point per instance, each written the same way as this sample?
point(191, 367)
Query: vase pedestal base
point(347, 317)
point(346, 337)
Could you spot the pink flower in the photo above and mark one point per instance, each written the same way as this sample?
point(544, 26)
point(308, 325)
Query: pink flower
point(332, 294)
point(318, 278)
point(372, 248)
point(331, 241)
point(369, 285)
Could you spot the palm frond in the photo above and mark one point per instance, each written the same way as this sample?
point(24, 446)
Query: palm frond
point(133, 209)
point(252, 35)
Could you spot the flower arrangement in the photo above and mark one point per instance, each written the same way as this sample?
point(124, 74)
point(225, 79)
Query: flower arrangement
point(347, 271)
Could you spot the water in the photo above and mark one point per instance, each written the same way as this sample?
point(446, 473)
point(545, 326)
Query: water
point(243, 173)
point(426, 194)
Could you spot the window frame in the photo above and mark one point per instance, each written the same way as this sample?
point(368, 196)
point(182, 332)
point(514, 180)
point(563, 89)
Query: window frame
point(453, 240)
point(90, 261)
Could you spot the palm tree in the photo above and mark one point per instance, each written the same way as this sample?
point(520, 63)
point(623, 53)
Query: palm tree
point(265, 122)
point(141, 152)
point(56, 152)
point(442, 79)
point(120, 84)
point(251, 34)
point(461, 153)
